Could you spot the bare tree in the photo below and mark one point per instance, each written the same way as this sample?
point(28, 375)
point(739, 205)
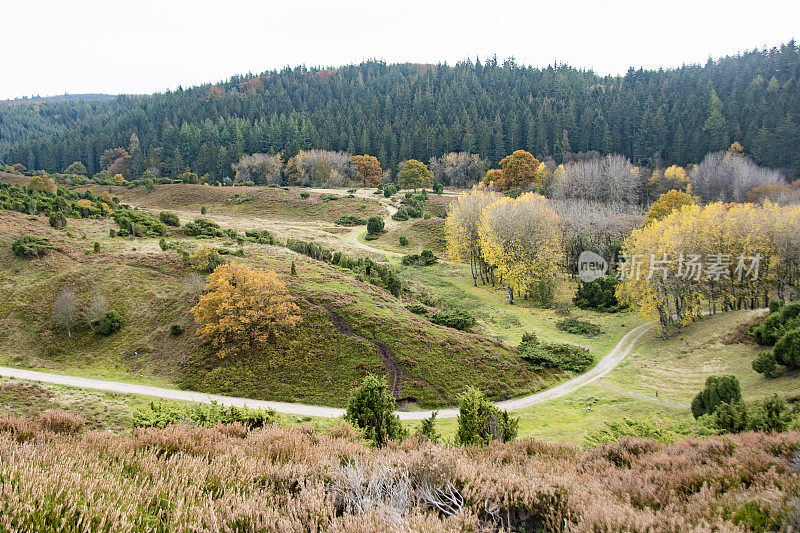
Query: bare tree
point(97, 308)
point(259, 168)
point(728, 177)
point(458, 169)
point(612, 179)
point(65, 309)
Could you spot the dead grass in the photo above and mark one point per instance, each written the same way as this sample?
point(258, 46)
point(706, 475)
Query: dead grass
point(278, 479)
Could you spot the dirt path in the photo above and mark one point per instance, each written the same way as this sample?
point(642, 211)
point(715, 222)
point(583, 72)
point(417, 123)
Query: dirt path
point(603, 367)
point(396, 372)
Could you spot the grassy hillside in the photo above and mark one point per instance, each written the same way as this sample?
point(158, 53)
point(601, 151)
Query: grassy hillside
point(152, 289)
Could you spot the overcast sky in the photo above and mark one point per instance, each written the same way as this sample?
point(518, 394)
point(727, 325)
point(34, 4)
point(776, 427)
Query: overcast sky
point(80, 46)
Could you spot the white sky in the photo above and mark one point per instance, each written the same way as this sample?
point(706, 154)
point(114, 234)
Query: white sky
point(78, 46)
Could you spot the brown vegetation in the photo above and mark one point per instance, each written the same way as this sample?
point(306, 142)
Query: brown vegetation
point(223, 479)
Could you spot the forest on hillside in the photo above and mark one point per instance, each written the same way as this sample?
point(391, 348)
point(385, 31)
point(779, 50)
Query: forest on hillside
point(403, 111)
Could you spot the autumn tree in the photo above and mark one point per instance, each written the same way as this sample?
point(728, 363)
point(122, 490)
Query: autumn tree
point(77, 168)
point(461, 227)
point(520, 239)
point(519, 171)
point(414, 175)
point(242, 307)
point(42, 184)
point(666, 204)
point(368, 169)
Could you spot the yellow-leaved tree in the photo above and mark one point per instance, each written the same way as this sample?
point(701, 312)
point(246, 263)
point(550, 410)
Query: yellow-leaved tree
point(666, 204)
point(242, 307)
point(520, 239)
point(461, 228)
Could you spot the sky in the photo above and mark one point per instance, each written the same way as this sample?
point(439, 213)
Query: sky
point(53, 47)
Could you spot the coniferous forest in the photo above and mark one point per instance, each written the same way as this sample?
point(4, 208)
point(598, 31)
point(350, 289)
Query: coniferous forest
point(403, 111)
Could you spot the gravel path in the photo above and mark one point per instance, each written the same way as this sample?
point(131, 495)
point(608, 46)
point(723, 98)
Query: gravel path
point(603, 367)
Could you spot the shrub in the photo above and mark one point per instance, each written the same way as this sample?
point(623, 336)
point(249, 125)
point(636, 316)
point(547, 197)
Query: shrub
point(417, 309)
point(203, 210)
point(389, 190)
point(202, 227)
point(578, 327)
point(304, 195)
point(765, 364)
point(96, 246)
point(176, 330)
point(403, 240)
point(206, 259)
point(787, 349)
point(775, 305)
point(480, 422)
point(424, 259)
point(260, 236)
point(560, 356)
point(771, 415)
point(401, 214)
point(31, 246)
point(731, 417)
point(428, 428)
point(329, 197)
point(58, 220)
point(768, 332)
point(138, 224)
point(599, 295)
point(456, 319)
point(350, 220)
point(438, 188)
point(718, 389)
point(61, 422)
point(110, 323)
point(169, 218)
point(375, 225)
point(160, 414)
point(162, 243)
point(371, 408)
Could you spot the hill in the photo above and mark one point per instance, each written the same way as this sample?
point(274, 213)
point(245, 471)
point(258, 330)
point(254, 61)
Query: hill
point(403, 111)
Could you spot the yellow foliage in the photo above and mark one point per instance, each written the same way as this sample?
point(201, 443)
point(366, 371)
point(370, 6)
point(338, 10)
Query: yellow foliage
point(520, 239)
point(42, 184)
point(83, 202)
point(242, 307)
point(666, 204)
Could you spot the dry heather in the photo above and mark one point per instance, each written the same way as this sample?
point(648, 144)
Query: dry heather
point(276, 479)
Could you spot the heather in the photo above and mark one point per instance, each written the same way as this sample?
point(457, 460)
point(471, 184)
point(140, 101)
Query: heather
point(226, 478)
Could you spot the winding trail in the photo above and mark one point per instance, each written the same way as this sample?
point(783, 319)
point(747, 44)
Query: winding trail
point(603, 367)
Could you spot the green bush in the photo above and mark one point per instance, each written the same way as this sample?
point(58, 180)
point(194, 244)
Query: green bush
point(169, 218)
point(375, 225)
point(598, 295)
point(202, 227)
point(203, 210)
point(389, 190)
point(417, 309)
point(371, 408)
point(160, 414)
point(138, 224)
point(514, 193)
point(787, 349)
point(456, 319)
point(560, 356)
point(424, 259)
point(175, 330)
point(350, 220)
point(731, 417)
point(578, 327)
point(31, 246)
point(304, 195)
point(96, 246)
point(765, 364)
point(260, 236)
point(58, 220)
point(480, 422)
point(110, 323)
point(718, 389)
point(438, 188)
point(768, 332)
point(401, 214)
point(403, 240)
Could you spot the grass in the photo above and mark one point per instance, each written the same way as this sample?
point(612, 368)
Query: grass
point(313, 363)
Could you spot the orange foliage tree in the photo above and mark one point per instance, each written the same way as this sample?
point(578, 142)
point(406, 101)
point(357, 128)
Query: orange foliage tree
point(368, 169)
point(242, 307)
point(519, 170)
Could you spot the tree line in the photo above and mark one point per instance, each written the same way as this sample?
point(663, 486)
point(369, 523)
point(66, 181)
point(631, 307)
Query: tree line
point(407, 111)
